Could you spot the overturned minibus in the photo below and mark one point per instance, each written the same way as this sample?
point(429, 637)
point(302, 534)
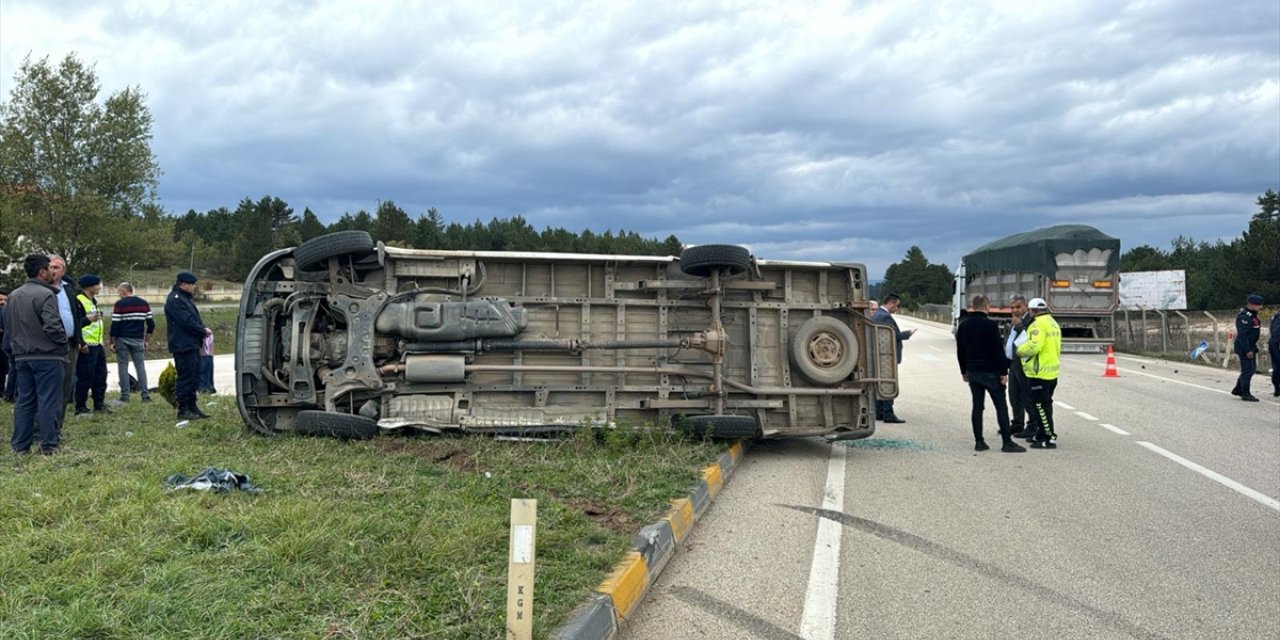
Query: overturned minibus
point(346, 337)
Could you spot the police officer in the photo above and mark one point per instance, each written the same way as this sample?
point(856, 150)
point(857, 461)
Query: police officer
point(91, 366)
point(186, 335)
point(1041, 357)
point(1248, 330)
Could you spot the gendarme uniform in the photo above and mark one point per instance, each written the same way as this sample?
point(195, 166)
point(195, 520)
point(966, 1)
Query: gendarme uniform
point(186, 335)
point(91, 366)
point(92, 332)
point(1248, 330)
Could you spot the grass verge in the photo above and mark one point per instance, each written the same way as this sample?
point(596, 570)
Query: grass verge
point(393, 537)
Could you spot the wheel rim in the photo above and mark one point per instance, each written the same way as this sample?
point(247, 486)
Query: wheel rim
point(825, 350)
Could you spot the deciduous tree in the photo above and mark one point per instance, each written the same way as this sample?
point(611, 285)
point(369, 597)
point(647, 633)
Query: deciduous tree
point(77, 174)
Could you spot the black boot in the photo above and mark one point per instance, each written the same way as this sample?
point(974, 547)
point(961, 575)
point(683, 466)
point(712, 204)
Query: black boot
point(184, 412)
point(196, 413)
point(1010, 446)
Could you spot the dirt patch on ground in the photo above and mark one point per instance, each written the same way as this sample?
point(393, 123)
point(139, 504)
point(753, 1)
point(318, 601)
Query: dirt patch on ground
point(441, 453)
point(457, 459)
point(607, 517)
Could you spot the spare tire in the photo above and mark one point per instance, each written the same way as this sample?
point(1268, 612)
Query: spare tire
point(705, 259)
point(314, 254)
point(335, 425)
point(824, 349)
point(726, 427)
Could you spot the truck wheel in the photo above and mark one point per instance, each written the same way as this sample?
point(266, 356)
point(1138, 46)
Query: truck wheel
point(824, 349)
point(335, 425)
point(314, 254)
point(704, 259)
point(725, 427)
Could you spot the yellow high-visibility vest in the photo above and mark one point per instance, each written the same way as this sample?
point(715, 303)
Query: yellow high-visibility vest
point(1041, 354)
point(92, 332)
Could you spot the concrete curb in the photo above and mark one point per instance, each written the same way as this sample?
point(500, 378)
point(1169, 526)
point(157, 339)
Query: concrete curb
point(653, 547)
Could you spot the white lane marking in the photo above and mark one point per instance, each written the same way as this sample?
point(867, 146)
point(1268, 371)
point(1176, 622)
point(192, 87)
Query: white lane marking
point(1114, 429)
point(818, 622)
point(1183, 382)
point(929, 357)
point(1216, 477)
point(1189, 384)
point(1064, 405)
point(1086, 416)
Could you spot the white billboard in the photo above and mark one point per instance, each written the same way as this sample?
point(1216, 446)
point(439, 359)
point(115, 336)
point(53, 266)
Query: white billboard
point(1153, 289)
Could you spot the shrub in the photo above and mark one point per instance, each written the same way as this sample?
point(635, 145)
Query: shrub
point(168, 385)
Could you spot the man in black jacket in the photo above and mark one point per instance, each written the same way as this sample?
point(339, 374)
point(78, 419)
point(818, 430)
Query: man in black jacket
point(980, 353)
point(186, 335)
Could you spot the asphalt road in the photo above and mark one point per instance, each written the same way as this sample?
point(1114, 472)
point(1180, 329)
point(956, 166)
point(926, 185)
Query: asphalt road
point(1157, 517)
point(224, 374)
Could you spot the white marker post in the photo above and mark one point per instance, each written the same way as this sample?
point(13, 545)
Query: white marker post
point(521, 553)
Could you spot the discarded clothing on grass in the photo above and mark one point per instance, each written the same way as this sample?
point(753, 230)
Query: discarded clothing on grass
point(211, 479)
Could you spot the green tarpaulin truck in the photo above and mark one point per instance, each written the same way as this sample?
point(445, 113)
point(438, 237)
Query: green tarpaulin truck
point(1074, 267)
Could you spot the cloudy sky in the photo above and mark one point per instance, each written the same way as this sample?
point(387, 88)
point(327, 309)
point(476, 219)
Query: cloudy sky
point(844, 131)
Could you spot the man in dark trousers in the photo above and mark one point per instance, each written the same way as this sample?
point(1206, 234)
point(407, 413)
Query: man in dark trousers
point(39, 344)
point(1273, 347)
point(1248, 330)
point(91, 367)
point(73, 320)
point(884, 315)
point(186, 335)
point(984, 366)
point(1041, 357)
point(1019, 386)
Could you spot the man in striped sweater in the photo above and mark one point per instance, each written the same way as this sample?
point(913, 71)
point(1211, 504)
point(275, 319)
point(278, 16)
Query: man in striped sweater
point(131, 327)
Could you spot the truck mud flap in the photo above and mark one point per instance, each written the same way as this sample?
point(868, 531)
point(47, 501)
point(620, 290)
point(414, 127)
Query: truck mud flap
point(884, 360)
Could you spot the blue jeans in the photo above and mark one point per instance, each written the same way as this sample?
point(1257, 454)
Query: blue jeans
point(127, 350)
point(39, 401)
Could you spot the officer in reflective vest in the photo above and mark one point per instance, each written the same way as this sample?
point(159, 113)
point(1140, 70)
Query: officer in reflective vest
point(91, 366)
point(1041, 356)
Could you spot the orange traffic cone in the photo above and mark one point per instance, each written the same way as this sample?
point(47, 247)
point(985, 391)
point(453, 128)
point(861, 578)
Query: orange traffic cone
point(1111, 371)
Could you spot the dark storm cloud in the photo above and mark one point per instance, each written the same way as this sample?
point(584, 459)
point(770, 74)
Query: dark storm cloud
point(803, 130)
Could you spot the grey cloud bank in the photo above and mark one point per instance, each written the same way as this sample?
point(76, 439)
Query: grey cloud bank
point(837, 131)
